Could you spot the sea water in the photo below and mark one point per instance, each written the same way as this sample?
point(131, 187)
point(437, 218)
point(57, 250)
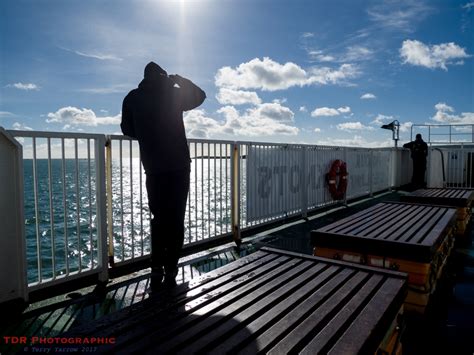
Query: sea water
point(61, 211)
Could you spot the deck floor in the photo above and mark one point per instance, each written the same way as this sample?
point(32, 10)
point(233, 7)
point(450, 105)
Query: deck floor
point(447, 326)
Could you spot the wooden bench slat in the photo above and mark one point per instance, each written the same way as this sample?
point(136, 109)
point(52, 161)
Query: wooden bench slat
point(358, 216)
point(329, 335)
point(385, 229)
point(368, 220)
point(319, 316)
point(243, 311)
point(174, 318)
point(271, 316)
point(365, 325)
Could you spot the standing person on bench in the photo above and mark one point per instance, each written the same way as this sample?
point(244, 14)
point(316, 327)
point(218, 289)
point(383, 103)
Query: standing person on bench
point(153, 114)
point(419, 152)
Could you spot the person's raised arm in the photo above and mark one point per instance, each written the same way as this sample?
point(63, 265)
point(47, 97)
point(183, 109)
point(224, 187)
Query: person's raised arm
point(190, 95)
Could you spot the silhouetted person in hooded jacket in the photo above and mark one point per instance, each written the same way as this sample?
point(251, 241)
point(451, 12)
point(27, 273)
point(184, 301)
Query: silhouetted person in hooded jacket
point(153, 114)
point(419, 152)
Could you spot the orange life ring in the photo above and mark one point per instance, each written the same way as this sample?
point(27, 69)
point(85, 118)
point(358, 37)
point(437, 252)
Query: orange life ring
point(337, 190)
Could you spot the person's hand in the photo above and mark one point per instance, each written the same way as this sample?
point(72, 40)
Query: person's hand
point(175, 77)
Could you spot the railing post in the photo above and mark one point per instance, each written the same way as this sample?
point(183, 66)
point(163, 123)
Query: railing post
point(371, 168)
point(344, 154)
point(110, 221)
point(428, 167)
point(100, 143)
point(235, 193)
point(303, 184)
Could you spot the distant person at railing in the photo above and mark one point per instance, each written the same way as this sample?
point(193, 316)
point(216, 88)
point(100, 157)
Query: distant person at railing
point(153, 114)
point(419, 152)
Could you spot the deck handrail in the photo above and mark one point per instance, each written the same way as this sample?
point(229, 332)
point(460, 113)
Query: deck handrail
point(104, 219)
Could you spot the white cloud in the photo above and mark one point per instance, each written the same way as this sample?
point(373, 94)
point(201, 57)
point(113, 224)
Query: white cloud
point(307, 35)
point(328, 111)
point(356, 141)
point(353, 126)
point(345, 109)
point(317, 130)
point(445, 114)
point(319, 56)
point(99, 56)
point(227, 96)
point(356, 53)
point(114, 89)
point(24, 86)
point(398, 15)
point(21, 127)
point(280, 101)
point(382, 119)
point(76, 116)
point(405, 126)
point(368, 96)
point(468, 6)
point(269, 75)
point(6, 114)
point(437, 56)
point(263, 120)
point(303, 109)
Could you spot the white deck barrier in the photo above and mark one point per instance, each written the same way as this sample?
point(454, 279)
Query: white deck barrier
point(86, 205)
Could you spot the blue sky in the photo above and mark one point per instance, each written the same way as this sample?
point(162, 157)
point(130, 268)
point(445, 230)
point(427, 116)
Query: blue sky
point(318, 72)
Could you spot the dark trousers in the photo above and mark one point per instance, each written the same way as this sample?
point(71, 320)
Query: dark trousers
point(167, 195)
point(419, 169)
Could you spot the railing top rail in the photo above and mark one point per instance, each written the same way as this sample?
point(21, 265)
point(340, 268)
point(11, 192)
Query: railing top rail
point(78, 135)
point(44, 134)
point(442, 125)
point(454, 130)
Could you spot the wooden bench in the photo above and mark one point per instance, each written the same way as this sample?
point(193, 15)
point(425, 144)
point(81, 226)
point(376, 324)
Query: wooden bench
point(411, 238)
point(271, 301)
point(459, 198)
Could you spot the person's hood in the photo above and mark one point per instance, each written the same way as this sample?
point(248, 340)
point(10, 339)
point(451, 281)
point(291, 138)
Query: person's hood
point(153, 70)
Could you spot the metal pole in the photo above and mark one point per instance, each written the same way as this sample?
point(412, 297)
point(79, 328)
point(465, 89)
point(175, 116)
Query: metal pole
point(108, 186)
point(235, 193)
point(101, 202)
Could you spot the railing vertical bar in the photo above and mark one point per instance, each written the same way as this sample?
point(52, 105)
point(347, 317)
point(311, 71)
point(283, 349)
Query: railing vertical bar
point(121, 201)
point(227, 185)
point(78, 202)
point(103, 176)
point(89, 173)
point(188, 202)
point(51, 211)
point(215, 192)
point(63, 171)
point(262, 152)
point(35, 189)
point(131, 198)
point(108, 190)
point(220, 189)
point(208, 189)
point(140, 178)
point(202, 190)
point(196, 191)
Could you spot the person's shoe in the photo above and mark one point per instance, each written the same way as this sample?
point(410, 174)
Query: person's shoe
point(156, 279)
point(170, 279)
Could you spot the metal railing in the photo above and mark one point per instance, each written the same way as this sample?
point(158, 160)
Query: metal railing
point(451, 166)
point(86, 204)
point(444, 134)
point(64, 194)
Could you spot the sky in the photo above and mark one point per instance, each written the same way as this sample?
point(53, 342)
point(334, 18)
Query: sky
point(293, 71)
